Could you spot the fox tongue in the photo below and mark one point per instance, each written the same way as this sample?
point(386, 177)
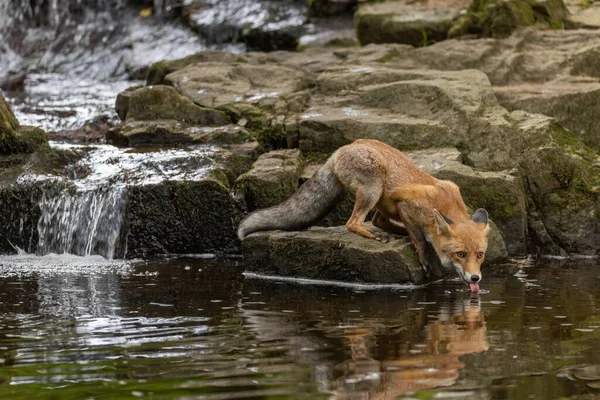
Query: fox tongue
point(474, 287)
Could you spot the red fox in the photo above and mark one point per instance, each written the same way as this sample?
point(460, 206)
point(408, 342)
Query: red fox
point(382, 177)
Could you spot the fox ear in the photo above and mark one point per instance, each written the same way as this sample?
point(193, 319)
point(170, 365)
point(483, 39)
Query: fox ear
point(481, 217)
point(442, 222)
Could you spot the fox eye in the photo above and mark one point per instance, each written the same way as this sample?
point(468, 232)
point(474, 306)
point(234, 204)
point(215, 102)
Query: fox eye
point(461, 254)
point(480, 254)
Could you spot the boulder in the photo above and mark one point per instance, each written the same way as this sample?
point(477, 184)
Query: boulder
point(15, 138)
point(336, 254)
point(573, 102)
point(267, 26)
point(417, 24)
point(499, 18)
point(181, 217)
point(528, 56)
point(158, 71)
point(272, 179)
point(584, 16)
point(160, 102)
point(215, 84)
point(562, 177)
point(405, 108)
point(328, 8)
point(173, 132)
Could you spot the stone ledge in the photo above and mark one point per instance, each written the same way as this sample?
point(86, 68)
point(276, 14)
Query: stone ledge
point(336, 254)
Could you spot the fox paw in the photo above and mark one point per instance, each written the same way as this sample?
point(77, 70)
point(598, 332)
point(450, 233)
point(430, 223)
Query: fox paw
point(382, 238)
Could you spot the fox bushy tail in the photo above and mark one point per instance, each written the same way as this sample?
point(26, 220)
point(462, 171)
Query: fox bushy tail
point(311, 202)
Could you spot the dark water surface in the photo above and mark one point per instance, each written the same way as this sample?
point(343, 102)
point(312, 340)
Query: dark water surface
point(74, 328)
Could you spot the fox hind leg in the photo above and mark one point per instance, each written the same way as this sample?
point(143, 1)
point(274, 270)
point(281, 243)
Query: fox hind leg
point(367, 198)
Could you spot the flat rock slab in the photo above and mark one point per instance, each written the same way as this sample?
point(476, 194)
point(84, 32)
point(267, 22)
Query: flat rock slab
point(336, 254)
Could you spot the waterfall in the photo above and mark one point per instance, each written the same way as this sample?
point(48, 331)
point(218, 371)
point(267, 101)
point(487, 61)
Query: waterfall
point(81, 223)
point(83, 210)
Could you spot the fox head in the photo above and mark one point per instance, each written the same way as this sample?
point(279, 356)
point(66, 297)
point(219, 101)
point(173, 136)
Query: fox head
point(462, 245)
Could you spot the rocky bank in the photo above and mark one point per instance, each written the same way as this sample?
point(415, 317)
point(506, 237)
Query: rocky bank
point(509, 115)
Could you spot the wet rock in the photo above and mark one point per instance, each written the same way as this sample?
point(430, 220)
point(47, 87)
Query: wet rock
point(272, 179)
point(562, 176)
point(528, 56)
point(404, 108)
point(493, 18)
point(265, 25)
point(91, 132)
point(15, 138)
point(215, 84)
point(417, 24)
point(336, 254)
point(181, 217)
point(328, 8)
point(158, 71)
point(574, 102)
point(165, 103)
point(172, 132)
point(13, 82)
point(582, 16)
point(500, 193)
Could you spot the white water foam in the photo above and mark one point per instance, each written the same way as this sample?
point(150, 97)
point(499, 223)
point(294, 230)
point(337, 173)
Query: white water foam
point(85, 215)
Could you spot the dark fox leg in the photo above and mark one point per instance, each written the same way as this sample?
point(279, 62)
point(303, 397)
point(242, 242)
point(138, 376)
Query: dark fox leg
point(383, 222)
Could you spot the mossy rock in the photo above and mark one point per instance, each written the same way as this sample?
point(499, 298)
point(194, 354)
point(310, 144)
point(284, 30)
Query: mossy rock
point(272, 179)
point(181, 217)
point(339, 255)
point(15, 138)
point(165, 103)
point(398, 22)
point(499, 18)
point(26, 139)
point(158, 71)
point(170, 132)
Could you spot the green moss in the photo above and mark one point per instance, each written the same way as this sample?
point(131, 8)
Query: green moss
point(26, 139)
point(496, 18)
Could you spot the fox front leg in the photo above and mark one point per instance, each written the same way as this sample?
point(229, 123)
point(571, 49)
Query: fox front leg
point(420, 242)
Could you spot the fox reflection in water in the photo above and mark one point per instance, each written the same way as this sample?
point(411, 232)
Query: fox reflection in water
point(460, 330)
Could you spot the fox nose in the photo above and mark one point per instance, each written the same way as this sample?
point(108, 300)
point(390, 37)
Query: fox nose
point(475, 278)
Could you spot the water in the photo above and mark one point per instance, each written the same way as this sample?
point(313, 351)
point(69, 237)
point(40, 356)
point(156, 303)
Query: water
point(82, 210)
point(193, 328)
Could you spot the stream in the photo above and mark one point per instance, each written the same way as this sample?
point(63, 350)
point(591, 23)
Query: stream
point(84, 327)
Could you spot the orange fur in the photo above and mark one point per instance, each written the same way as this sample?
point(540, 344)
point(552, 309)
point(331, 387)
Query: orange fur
point(385, 179)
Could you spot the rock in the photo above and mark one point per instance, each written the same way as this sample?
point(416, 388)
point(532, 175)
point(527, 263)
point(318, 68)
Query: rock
point(500, 193)
point(214, 84)
point(499, 18)
point(272, 179)
point(562, 176)
point(417, 24)
point(92, 131)
point(584, 17)
point(181, 217)
point(158, 71)
point(404, 108)
point(336, 254)
point(174, 201)
point(328, 8)
point(13, 82)
point(266, 25)
point(172, 132)
point(574, 102)
point(528, 56)
point(15, 138)
point(165, 103)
